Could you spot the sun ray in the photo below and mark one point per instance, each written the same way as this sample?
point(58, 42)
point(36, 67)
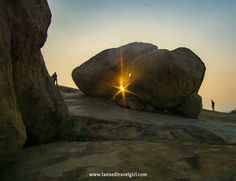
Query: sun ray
point(123, 81)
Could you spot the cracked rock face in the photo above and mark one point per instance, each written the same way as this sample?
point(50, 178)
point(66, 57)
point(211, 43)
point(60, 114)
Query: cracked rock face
point(29, 103)
point(157, 77)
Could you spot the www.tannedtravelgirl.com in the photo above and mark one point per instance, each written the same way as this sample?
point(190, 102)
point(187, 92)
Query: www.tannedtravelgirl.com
point(118, 174)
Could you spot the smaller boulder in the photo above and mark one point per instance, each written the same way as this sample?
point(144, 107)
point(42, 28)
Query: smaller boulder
point(134, 104)
point(120, 101)
point(149, 108)
point(129, 102)
point(192, 106)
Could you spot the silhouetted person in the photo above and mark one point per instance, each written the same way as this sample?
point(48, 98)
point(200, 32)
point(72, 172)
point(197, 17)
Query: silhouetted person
point(54, 78)
point(213, 105)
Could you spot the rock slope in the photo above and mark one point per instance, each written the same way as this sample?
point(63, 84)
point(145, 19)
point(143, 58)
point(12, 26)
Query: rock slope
point(166, 147)
point(104, 120)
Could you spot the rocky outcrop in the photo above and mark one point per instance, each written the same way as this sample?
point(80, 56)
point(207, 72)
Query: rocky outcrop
point(166, 78)
point(165, 161)
point(96, 118)
point(157, 77)
point(12, 129)
point(98, 75)
point(27, 96)
point(167, 147)
point(192, 105)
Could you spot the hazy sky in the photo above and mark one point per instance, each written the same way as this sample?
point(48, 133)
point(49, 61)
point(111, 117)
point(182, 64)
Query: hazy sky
point(82, 28)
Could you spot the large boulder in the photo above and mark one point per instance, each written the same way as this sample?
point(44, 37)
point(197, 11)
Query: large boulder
point(12, 129)
point(27, 96)
point(157, 77)
point(165, 78)
point(98, 75)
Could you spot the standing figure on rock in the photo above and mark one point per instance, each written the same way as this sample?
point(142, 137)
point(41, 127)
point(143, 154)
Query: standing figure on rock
point(213, 105)
point(54, 78)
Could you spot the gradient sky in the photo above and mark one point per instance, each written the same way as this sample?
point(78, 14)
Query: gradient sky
point(82, 28)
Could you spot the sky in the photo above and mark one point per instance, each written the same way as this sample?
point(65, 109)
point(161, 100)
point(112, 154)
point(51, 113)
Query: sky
point(82, 28)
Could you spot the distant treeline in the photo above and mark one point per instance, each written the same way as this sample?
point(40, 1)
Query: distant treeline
point(233, 111)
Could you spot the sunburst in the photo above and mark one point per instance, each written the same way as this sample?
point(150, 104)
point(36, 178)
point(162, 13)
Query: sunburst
point(123, 82)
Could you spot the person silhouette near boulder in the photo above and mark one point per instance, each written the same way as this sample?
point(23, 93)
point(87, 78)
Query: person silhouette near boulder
point(213, 105)
point(54, 78)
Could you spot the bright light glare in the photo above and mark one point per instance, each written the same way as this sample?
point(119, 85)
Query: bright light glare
point(124, 81)
point(122, 88)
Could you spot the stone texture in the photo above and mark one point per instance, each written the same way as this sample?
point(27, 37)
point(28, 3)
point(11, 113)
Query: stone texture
point(129, 102)
point(97, 75)
point(26, 92)
point(159, 77)
point(149, 108)
point(165, 78)
point(134, 104)
point(192, 106)
point(166, 147)
point(12, 129)
point(105, 120)
point(168, 162)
